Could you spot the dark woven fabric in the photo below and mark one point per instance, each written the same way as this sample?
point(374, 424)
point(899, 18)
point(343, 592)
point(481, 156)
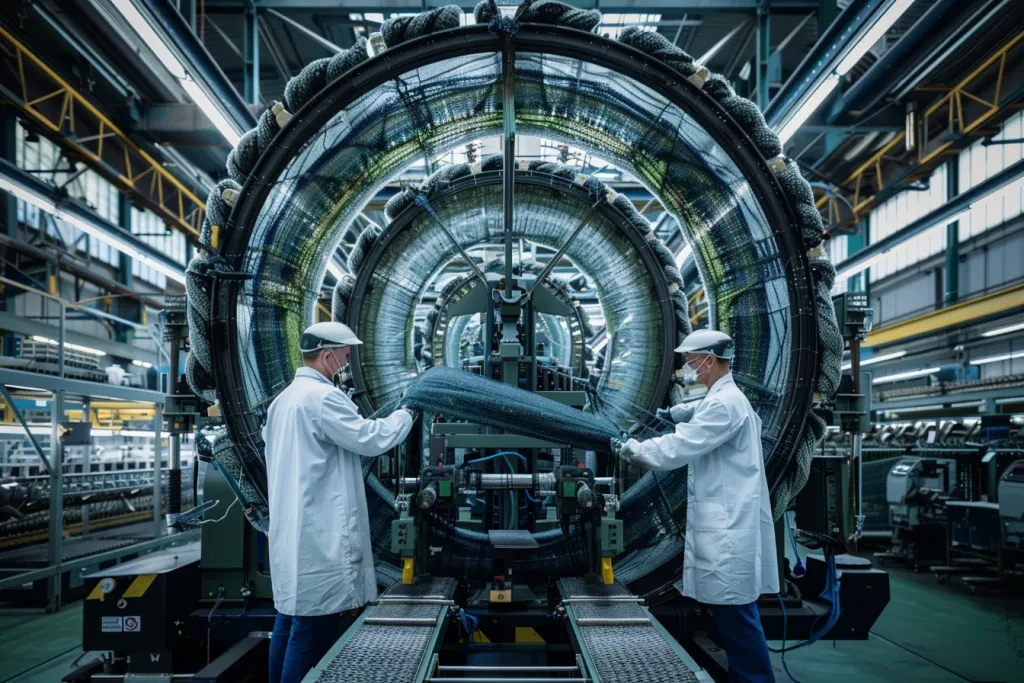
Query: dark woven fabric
point(464, 396)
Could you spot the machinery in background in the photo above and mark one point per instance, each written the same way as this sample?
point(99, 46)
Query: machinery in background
point(1011, 507)
point(917, 489)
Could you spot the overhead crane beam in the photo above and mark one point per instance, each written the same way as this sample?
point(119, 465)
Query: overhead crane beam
point(967, 116)
point(84, 133)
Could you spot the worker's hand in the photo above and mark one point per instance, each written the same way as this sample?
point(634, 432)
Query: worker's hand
point(413, 413)
point(683, 412)
point(665, 414)
point(629, 450)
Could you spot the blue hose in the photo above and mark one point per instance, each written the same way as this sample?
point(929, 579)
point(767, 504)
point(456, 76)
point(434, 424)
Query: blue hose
point(830, 595)
point(798, 570)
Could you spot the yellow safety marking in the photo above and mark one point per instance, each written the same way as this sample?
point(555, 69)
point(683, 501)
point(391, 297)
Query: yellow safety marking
point(607, 573)
point(407, 570)
point(53, 285)
point(479, 637)
point(527, 634)
point(96, 593)
point(214, 236)
point(139, 586)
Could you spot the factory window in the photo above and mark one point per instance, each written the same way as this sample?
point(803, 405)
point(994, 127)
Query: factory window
point(614, 24)
point(900, 211)
point(978, 163)
point(152, 230)
point(44, 160)
point(838, 251)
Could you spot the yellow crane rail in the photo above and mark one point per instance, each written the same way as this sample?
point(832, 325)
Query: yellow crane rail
point(74, 124)
point(959, 122)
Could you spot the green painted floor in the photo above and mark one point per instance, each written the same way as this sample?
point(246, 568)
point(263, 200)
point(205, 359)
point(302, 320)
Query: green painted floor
point(928, 632)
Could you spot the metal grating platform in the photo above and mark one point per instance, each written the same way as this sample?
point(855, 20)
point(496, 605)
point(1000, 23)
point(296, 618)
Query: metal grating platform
point(638, 652)
point(388, 653)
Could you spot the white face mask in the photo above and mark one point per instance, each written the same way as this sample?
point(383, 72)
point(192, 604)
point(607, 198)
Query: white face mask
point(690, 373)
point(343, 374)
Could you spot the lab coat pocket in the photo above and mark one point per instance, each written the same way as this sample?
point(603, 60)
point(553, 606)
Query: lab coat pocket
point(709, 515)
point(354, 549)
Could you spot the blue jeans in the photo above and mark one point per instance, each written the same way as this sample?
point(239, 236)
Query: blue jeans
point(298, 643)
point(739, 627)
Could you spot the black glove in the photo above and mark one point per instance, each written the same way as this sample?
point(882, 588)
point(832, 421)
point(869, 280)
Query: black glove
point(665, 414)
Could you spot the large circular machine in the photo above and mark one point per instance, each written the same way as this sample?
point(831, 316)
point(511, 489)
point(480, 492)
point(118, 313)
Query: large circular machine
point(425, 85)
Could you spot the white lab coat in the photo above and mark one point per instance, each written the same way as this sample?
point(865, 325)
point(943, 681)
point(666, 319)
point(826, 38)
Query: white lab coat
point(730, 556)
point(321, 560)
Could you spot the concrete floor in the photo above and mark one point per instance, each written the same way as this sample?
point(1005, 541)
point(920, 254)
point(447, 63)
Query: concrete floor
point(928, 632)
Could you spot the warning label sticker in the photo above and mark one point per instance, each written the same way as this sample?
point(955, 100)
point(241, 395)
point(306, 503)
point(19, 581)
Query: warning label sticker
point(132, 624)
point(111, 624)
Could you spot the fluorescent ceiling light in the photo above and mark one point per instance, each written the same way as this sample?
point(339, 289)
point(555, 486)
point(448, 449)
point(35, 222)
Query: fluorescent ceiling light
point(873, 35)
point(809, 106)
point(100, 233)
point(142, 433)
point(683, 255)
point(905, 375)
point(152, 39)
point(877, 359)
point(18, 429)
point(217, 118)
point(73, 347)
point(999, 358)
point(846, 273)
point(1003, 330)
point(142, 364)
point(149, 37)
point(28, 196)
point(101, 432)
point(859, 49)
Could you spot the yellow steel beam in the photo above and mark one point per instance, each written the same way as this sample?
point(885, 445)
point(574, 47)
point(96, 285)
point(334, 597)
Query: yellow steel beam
point(82, 131)
point(955, 97)
point(975, 309)
point(951, 101)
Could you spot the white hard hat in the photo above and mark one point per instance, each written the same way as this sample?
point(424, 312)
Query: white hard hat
point(327, 336)
point(713, 342)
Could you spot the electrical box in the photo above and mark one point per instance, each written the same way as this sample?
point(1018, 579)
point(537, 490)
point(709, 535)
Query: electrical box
point(854, 315)
point(133, 608)
point(825, 506)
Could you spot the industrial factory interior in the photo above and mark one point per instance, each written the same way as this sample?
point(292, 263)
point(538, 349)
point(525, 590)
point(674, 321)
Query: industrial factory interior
point(511, 341)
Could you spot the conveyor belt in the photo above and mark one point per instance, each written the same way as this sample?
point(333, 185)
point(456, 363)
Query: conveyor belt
point(389, 643)
point(75, 547)
point(622, 641)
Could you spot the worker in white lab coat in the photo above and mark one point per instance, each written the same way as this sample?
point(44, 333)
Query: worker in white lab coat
point(730, 555)
point(321, 560)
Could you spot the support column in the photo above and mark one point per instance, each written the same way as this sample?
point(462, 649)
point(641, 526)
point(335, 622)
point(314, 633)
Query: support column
point(55, 537)
point(855, 243)
point(158, 506)
point(251, 51)
point(952, 294)
point(124, 307)
point(762, 54)
point(187, 8)
point(86, 464)
point(8, 208)
point(174, 471)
